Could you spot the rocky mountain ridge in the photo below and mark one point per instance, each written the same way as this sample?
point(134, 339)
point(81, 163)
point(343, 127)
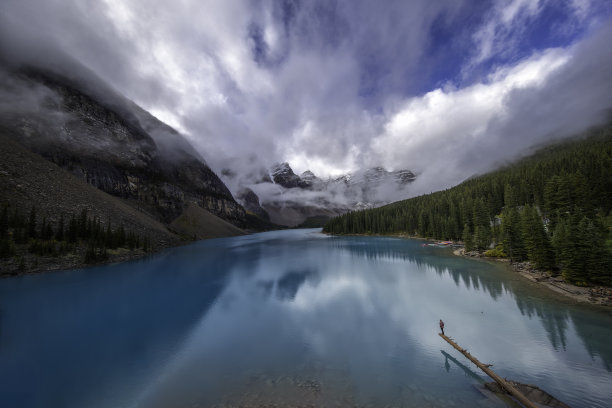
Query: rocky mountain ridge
point(283, 175)
point(114, 145)
point(291, 199)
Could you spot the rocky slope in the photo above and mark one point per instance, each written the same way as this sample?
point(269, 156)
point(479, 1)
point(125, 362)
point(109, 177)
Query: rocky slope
point(71, 146)
point(109, 142)
point(27, 180)
point(250, 202)
point(197, 223)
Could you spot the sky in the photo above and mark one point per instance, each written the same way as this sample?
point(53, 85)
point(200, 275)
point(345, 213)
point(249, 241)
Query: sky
point(446, 88)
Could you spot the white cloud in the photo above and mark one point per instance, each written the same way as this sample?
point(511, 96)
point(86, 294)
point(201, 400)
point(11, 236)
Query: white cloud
point(502, 25)
point(439, 118)
point(581, 8)
point(447, 136)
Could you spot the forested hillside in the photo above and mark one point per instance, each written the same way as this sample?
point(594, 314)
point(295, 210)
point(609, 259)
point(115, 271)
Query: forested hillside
point(552, 208)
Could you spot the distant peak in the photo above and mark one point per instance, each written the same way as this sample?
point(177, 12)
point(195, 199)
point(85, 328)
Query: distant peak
point(281, 168)
point(308, 176)
point(281, 165)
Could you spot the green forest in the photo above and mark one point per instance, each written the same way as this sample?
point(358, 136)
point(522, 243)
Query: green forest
point(552, 208)
point(28, 234)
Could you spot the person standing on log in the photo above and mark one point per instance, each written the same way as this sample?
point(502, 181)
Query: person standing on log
point(442, 326)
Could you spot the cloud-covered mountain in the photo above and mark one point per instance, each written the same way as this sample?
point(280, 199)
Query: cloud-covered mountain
point(82, 125)
point(290, 199)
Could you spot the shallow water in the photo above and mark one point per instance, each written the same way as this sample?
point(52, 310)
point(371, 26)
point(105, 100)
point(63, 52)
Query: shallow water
point(293, 318)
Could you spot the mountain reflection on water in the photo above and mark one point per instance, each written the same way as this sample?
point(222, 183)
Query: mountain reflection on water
point(292, 317)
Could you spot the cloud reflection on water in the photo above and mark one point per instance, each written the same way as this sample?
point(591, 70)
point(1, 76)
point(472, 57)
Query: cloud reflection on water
point(359, 315)
point(368, 308)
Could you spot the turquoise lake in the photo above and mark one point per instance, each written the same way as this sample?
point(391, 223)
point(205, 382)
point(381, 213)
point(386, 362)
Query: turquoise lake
point(294, 318)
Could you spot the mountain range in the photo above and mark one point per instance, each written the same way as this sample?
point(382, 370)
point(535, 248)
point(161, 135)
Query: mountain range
point(290, 199)
point(71, 143)
point(97, 151)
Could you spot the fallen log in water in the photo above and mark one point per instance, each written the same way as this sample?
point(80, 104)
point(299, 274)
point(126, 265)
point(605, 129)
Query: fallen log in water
point(532, 392)
point(503, 383)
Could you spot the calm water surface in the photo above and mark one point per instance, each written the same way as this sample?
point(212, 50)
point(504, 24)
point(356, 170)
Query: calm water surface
point(293, 317)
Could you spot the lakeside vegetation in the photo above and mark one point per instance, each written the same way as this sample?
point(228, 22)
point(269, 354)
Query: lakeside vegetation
point(552, 208)
point(28, 238)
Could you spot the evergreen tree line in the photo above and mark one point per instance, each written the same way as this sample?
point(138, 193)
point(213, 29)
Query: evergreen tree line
point(45, 238)
point(552, 208)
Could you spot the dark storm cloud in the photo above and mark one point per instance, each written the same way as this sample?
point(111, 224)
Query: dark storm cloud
point(61, 35)
point(334, 85)
point(245, 76)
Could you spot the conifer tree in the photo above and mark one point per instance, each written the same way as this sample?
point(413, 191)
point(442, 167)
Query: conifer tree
point(527, 230)
point(593, 259)
point(59, 234)
point(4, 221)
point(6, 247)
point(82, 224)
point(32, 224)
point(468, 241)
point(510, 200)
point(121, 238)
point(512, 240)
point(90, 254)
point(108, 236)
point(73, 230)
point(566, 250)
point(570, 251)
point(482, 225)
point(543, 253)
point(46, 231)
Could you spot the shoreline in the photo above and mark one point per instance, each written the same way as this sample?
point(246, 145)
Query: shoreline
point(74, 261)
point(592, 295)
point(8, 268)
